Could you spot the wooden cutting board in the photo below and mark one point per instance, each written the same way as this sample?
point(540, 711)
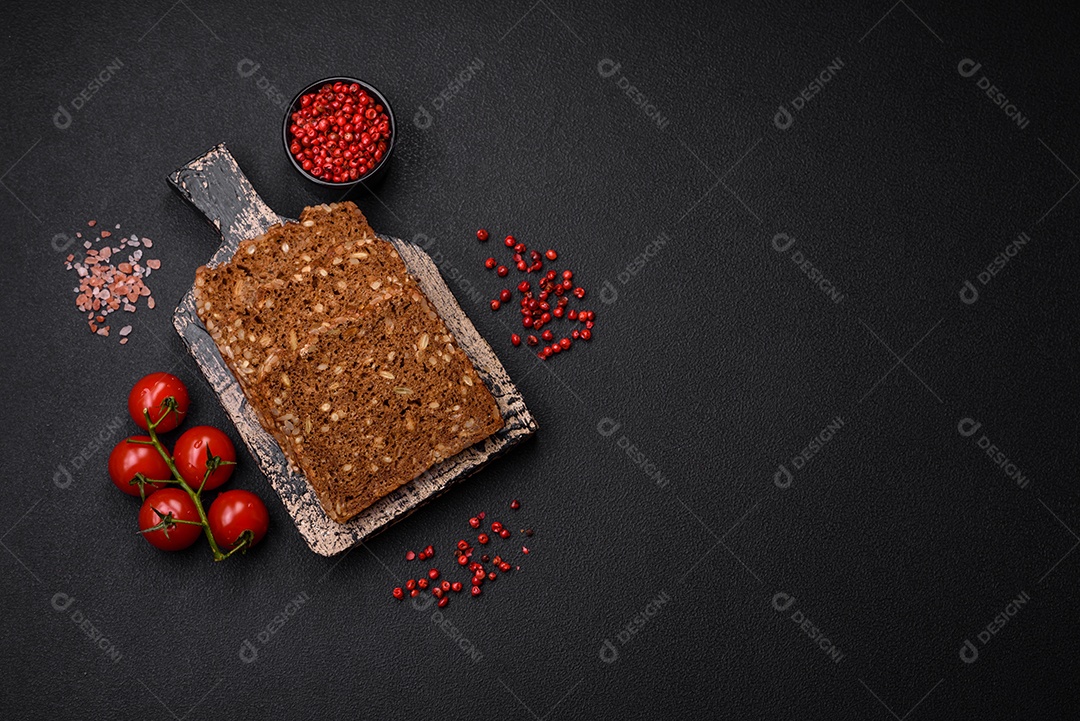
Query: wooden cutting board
point(214, 184)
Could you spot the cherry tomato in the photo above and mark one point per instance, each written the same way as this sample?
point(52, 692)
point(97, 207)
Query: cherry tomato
point(159, 506)
point(200, 448)
point(234, 512)
point(164, 395)
point(129, 458)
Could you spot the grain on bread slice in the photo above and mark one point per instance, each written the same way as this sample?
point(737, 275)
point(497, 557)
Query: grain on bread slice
point(371, 401)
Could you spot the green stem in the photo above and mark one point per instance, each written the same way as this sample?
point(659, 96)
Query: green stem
point(241, 545)
point(219, 555)
point(205, 476)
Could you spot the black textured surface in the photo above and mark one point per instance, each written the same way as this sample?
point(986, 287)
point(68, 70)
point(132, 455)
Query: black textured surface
point(721, 359)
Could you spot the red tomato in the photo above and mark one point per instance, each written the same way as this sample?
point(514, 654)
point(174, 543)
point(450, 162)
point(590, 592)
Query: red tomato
point(159, 506)
point(234, 512)
point(129, 458)
point(202, 448)
point(164, 395)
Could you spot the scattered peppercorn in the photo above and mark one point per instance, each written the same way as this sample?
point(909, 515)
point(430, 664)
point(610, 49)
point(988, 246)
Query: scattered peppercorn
point(440, 587)
point(535, 310)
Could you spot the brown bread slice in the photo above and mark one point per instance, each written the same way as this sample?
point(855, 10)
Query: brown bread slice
point(371, 401)
point(262, 305)
point(290, 280)
point(261, 298)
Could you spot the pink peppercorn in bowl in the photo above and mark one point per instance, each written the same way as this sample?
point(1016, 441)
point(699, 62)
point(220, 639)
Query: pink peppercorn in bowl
point(339, 131)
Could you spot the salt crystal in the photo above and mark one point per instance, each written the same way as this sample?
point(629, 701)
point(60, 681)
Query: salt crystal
point(104, 287)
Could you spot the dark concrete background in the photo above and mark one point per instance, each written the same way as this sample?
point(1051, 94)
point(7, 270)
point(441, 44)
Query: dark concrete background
point(720, 360)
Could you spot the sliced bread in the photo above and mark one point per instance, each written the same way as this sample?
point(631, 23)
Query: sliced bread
point(370, 401)
point(306, 299)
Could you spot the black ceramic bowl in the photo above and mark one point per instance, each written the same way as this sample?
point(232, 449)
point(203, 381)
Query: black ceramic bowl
point(371, 90)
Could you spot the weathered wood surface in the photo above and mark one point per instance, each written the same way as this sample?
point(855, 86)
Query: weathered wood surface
point(214, 184)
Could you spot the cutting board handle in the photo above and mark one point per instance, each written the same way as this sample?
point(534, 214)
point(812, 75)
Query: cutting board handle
point(214, 184)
